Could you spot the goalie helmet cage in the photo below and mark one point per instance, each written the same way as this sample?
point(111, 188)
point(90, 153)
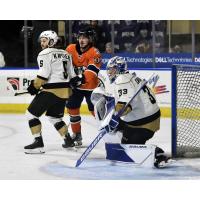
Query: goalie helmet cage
point(186, 110)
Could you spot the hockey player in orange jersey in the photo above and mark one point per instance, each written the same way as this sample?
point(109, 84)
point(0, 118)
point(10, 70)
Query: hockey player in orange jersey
point(87, 62)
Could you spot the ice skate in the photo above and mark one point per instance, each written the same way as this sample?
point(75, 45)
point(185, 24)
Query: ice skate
point(77, 138)
point(68, 142)
point(37, 147)
point(162, 161)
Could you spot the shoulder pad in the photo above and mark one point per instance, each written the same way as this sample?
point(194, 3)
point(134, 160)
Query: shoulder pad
point(71, 47)
point(62, 51)
point(45, 51)
point(94, 51)
point(99, 90)
point(123, 78)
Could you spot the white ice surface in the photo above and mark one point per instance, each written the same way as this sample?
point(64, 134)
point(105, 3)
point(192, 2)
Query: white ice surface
point(58, 163)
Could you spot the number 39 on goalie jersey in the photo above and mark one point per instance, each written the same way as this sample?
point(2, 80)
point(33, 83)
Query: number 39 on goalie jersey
point(55, 66)
point(143, 105)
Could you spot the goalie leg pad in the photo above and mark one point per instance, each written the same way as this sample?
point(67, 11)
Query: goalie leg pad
point(138, 155)
point(100, 109)
point(103, 106)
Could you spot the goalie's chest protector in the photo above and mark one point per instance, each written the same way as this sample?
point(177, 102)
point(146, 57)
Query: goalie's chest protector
point(143, 105)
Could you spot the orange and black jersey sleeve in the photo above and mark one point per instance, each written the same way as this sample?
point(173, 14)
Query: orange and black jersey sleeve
point(92, 70)
point(91, 61)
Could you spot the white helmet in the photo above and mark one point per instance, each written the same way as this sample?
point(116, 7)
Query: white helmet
point(51, 36)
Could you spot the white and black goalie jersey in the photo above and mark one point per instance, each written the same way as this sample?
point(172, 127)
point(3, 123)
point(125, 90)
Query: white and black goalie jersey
point(55, 66)
point(143, 106)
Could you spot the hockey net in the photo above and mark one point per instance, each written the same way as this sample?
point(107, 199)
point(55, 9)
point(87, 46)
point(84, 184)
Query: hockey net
point(187, 111)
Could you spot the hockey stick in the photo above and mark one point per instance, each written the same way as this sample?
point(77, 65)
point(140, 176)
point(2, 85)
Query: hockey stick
point(14, 93)
point(103, 131)
point(20, 93)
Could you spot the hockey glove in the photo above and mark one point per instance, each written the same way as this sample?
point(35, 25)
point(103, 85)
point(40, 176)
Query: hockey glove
point(31, 89)
point(112, 125)
point(76, 81)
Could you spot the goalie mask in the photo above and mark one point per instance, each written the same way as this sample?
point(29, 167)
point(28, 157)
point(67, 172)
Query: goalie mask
point(116, 65)
point(51, 36)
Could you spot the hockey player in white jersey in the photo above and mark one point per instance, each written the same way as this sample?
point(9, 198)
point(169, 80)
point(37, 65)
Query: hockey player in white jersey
point(52, 89)
point(139, 121)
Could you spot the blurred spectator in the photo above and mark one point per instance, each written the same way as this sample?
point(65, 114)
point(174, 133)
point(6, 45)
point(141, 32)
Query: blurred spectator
point(76, 26)
point(108, 48)
point(160, 34)
point(126, 35)
point(161, 25)
point(2, 61)
point(143, 31)
point(106, 24)
point(143, 47)
point(129, 33)
point(176, 49)
point(144, 25)
point(128, 47)
point(102, 35)
point(159, 43)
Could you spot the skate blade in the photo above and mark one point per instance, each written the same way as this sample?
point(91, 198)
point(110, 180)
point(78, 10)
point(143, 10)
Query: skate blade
point(34, 151)
point(78, 144)
point(81, 146)
point(70, 148)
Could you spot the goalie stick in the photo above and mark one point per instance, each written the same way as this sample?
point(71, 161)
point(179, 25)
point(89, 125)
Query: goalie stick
point(103, 131)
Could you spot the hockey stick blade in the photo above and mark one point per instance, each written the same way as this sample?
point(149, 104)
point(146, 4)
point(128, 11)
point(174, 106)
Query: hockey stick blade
point(90, 147)
point(20, 93)
point(103, 131)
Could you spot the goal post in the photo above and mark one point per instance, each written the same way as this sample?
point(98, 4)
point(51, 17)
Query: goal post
point(186, 110)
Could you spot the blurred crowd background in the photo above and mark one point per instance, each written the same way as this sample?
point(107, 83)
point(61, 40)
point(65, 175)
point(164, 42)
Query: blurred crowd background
point(19, 45)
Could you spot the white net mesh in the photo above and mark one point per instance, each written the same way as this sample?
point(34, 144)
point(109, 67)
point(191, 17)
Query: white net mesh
point(188, 111)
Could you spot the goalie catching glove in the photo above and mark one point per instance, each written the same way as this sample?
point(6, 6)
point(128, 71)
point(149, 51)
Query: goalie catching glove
point(31, 88)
